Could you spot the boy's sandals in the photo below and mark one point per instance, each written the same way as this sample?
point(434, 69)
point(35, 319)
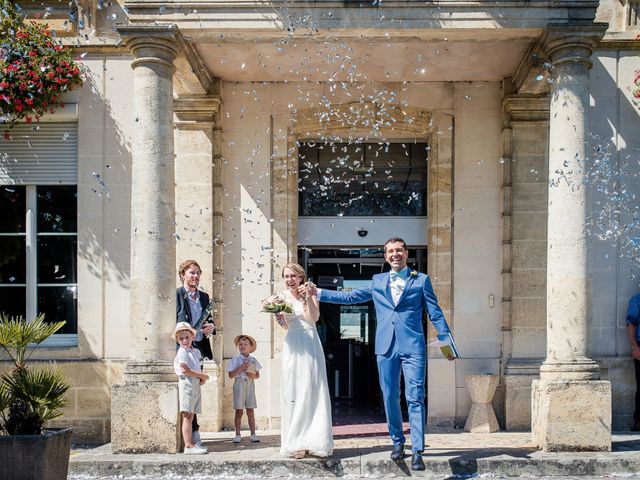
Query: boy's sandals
point(299, 454)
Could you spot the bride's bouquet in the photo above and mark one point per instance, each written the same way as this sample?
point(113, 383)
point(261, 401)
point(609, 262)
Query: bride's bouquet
point(276, 304)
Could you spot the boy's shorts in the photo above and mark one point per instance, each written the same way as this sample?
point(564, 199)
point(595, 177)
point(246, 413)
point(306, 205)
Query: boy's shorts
point(189, 393)
point(244, 394)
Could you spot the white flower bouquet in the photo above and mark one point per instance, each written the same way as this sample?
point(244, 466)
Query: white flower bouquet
point(276, 304)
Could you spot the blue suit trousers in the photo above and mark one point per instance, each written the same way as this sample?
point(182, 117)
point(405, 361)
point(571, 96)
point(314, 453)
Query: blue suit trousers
point(413, 367)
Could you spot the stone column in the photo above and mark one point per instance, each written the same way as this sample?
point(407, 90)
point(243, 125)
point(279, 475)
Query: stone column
point(144, 408)
point(199, 223)
point(571, 407)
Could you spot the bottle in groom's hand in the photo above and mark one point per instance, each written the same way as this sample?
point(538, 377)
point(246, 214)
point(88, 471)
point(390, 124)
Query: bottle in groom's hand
point(206, 313)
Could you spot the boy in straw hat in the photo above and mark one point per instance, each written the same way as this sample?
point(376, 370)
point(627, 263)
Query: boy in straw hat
point(187, 366)
point(244, 368)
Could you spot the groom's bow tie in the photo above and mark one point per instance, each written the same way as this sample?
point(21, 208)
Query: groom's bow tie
point(401, 274)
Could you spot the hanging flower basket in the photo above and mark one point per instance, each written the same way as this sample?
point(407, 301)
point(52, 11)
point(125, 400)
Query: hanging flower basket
point(35, 69)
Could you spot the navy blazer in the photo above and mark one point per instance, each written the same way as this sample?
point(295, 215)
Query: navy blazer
point(183, 314)
point(402, 321)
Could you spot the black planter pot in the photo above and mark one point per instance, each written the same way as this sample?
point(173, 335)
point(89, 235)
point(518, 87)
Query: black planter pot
point(42, 457)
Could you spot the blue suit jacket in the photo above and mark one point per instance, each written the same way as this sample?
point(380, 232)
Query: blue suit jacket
point(404, 320)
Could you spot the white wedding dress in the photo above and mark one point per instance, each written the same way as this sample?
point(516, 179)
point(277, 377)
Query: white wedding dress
point(304, 391)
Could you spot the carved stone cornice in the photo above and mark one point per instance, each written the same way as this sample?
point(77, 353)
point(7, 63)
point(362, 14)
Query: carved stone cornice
point(195, 109)
point(531, 108)
point(197, 17)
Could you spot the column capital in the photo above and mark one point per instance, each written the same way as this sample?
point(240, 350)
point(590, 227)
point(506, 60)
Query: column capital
point(196, 108)
point(572, 44)
point(151, 43)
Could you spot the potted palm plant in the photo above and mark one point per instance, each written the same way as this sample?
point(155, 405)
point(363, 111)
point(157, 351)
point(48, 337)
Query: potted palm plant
point(29, 397)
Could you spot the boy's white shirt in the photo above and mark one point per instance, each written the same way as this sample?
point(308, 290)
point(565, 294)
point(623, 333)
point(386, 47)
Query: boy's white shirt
point(235, 362)
point(190, 356)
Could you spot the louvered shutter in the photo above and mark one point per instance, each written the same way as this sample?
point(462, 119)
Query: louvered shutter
point(44, 153)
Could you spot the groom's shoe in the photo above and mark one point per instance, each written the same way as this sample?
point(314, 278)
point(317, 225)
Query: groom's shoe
point(416, 461)
point(398, 452)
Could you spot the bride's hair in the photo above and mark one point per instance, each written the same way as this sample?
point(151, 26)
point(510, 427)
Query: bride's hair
point(297, 269)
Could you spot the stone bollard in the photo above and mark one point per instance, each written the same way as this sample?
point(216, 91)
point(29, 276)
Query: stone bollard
point(482, 418)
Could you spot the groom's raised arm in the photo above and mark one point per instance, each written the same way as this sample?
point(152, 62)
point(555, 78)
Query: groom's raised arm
point(433, 309)
point(360, 295)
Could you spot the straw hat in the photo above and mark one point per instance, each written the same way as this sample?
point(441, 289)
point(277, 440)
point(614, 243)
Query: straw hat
point(252, 341)
point(181, 327)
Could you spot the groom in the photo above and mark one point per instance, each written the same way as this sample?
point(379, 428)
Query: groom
point(400, 298)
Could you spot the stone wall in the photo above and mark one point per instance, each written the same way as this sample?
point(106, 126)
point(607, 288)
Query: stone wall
point(614, 129)
point(476, 239)
point(88, 411)
point(524, 205)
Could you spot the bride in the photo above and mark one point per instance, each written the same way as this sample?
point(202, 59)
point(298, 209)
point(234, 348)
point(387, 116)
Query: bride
point(305, 404)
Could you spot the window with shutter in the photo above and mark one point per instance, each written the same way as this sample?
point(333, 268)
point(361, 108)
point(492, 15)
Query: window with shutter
point(38, 225)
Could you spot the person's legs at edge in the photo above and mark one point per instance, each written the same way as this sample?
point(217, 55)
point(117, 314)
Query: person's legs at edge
point(636, 413)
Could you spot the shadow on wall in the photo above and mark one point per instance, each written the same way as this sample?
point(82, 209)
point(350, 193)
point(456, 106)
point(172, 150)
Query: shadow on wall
point(613, 248)
point(104, 174)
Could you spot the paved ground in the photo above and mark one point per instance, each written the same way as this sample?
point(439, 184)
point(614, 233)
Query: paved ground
point(448, 455)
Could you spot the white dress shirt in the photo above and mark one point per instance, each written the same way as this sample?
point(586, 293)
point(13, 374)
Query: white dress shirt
point(196, 311)
point(397, 282)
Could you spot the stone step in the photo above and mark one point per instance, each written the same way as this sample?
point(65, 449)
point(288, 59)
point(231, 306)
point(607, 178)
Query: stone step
point(458, 454)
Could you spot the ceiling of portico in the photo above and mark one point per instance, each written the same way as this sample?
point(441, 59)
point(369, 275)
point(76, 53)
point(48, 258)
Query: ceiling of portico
point(378, 59)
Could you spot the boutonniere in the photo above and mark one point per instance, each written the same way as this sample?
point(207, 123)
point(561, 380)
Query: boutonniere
point(414, 273)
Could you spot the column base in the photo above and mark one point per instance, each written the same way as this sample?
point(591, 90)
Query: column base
point(210, 420)
point(144, 416)
point(571, 416)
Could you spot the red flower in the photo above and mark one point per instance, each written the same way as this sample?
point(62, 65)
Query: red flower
point(34, 71)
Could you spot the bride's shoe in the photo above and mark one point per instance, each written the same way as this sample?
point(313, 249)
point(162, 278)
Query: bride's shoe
point(299, 454)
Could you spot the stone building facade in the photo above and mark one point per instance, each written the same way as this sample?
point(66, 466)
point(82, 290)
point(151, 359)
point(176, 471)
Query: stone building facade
point(193, 115)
